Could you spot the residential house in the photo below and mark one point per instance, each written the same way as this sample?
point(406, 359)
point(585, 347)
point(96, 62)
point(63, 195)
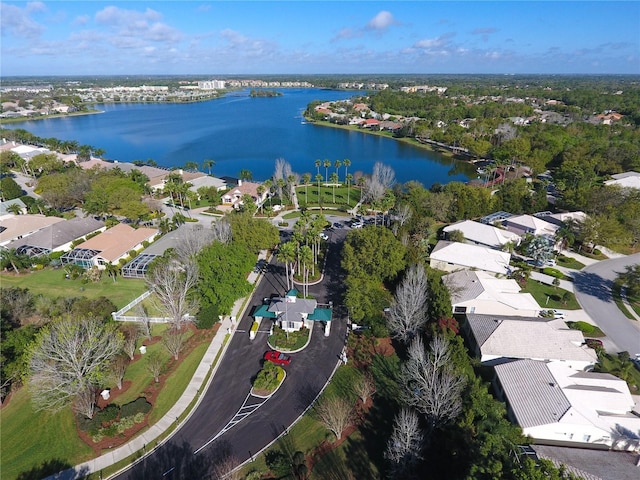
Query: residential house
point(109, 246)
point(57, 237)
point(481, 292)
point(19, 226)
point(234, 196)
point(497, 339)
point(484, 234)
point(452, 256)
point(292, 313)
point(529, 224)
point(207, 181)
point(625, 180)
point(557, 405)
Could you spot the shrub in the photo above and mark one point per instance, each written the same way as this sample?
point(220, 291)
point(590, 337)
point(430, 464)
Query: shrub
point(207, 317)
point(278, 463)
point(553, 272)
point(138, 417)
point(269, 377)
point(107, 414)
point(584, 327)
point(139, 405)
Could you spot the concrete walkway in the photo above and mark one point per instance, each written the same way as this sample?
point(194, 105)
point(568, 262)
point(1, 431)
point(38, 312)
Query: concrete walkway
point(193, 391)
point(548, 279)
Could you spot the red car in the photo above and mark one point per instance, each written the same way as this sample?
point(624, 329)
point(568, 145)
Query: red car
point(278, 358)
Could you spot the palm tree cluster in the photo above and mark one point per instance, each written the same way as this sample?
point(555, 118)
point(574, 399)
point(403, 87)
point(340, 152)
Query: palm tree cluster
point(300, 254)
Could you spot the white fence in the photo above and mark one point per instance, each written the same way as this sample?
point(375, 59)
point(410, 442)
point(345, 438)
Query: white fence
point(120, 317)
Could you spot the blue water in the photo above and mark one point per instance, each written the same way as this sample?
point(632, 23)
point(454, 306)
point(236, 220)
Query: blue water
point(240, 132)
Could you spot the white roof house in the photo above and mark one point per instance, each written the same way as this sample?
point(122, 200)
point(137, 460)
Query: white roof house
point(625, 180)
point(19, 226)
point(555, 404)
point(499, 339)
point(453, 256)
point(207, 181)
point(523, 224)
point(482, 234)
point(481, 292)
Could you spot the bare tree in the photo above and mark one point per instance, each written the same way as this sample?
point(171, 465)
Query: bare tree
point(408, 313)
point(118, 369)
point(154, 365)
point(194, 239)
point(85, 401)
point(405, 444)
point(382, 178)
point(403, 214)
point(173, 340)
point(364, 387)
point(431, 383)
point(172, 283)
point(335, 413)
point(225, 468)
point(222, 231)
point(144, 324)
point(68, 357)
point(131, 335)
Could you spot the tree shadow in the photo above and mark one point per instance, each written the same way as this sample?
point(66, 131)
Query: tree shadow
point(594, 285)
point(56, 469)
point(173, 461)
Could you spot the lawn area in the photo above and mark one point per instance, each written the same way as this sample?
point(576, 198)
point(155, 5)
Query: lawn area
point(326, 195)
point(52, 283)
point(29, 439)
point(569, 262)
point(549, 296)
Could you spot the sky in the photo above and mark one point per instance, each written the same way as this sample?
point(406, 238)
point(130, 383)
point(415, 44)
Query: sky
point(318, 37)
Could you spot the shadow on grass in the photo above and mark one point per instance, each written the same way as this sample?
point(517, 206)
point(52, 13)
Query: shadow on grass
point(51, 467)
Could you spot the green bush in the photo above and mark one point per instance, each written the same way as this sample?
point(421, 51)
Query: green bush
point(107, 414)
point(584, 327)
point(269, 377)
point(278, 463)
point(139, 405)
point(207, 317)
point(553, 272)
point(138, 417)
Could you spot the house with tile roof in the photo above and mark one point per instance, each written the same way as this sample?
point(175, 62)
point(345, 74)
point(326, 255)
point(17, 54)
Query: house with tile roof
point(557, 405)
point(233, 197)
point(475, 291)
point(477, 233)
point(109, 246)
point(497, 339)
point(19, 226)
point(292, 313)
point(452, 256)
point(57, 237)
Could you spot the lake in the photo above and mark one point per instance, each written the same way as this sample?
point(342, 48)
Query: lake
point(240, 132)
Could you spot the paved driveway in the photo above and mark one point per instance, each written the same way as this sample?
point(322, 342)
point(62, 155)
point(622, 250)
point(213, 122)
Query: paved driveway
point(593, 289)
point(308, 372)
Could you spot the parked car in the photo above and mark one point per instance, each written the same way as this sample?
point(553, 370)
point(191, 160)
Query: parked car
point(337, 225)
point(324, 236)
point(551, 313)
point(277, 357)
point(357, 225)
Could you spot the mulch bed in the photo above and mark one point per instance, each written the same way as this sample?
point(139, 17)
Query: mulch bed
point(150, 392)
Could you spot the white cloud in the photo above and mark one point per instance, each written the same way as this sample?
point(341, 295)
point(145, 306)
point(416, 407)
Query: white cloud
point(381, 21)
point(16, 21)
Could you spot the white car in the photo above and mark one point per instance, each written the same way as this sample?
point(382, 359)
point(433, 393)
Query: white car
point(357, 225)
point(324, 236)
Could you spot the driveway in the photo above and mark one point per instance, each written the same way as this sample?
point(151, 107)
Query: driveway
point(308, 372)
point(592, 287)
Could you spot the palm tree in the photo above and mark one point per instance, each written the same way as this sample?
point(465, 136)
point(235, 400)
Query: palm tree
point(14, 208)
point(112, 271)
point(268, 183)
point(37, 206)
point(349, 179)
point(208, 163)
point(318, 163)
point(319, 179)
point(291, 182)
point(10, 257)
point(306, 178)
point(326, 164)
point(287, 255)
point(361, 182)
point(260, 189)
point(246, 175)
point(334, 181)
point(306, 258)
point(337, 164)
point(347, 163)
point(193, 166)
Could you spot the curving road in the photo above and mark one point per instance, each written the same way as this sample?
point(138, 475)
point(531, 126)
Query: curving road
point(308, 372)
point(593, 289)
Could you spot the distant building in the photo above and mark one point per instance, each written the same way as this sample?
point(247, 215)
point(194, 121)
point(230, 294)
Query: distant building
point(625, 180)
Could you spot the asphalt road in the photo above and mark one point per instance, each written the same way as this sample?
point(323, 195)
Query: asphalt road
point(308, 372)
point(593, 289)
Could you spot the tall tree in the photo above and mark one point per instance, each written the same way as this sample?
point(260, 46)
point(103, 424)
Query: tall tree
point(408, 313)
point(306, 178)
point(431, 383)
point(404, 447)
point(68, 359)
point(208, 164)
point(326, 164)
point(335, 413)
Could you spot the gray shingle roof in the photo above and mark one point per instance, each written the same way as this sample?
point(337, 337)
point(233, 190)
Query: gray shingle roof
point(482, 326)
point(531, 390)
point(58, 234)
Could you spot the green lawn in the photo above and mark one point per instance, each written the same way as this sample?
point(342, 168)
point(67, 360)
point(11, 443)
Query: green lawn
point(549, 296)
point(52, 283)
point(30, 439)
point(342, 194)
point(569, 262)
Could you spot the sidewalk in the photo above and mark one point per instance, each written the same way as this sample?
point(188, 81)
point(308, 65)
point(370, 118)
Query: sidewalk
point(193, 390)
